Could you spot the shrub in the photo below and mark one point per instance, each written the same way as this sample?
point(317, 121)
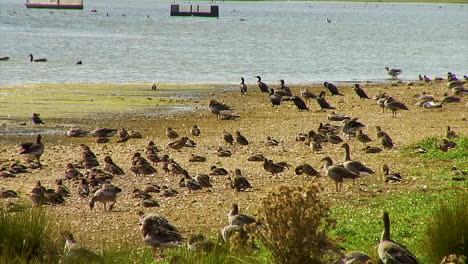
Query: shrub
point(28, 236)
point(296, 223)
point(447, 233)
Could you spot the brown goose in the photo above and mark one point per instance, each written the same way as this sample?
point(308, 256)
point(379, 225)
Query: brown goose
point(307, 170)
point(7, 193)
point(71, 173)
point(394, 106)
point(123, 135)
point(394, 177)
point(363, 138)
point(370, 149)
point(189, 183)
point(385, 139)
point(228, 137)
point(391, 252)
point(240, 139)
point(203, 180)
point(196, 158)
point(61, 189)
point(178, 144)
point(103, 132)
point(74, 252)
point(239, 182)
point(53, 198)
point(393, 72)
point(223, 152)
point(77, 132)
point(351, 126)
point(111, 167)
point(151, 148)
point(218, 171)
point(33, 150)
point(306, 94)
point(337, 173)
point(355, 167)
point(234, 218)
point(106, 194)
point(218, 108)
point(170, 133)
point(272, 142)
point(334, 139)
point(82, 189)
point(195, 131)
point(450, 134)
point(158, 233)
point(272, 167)
point(337, 117)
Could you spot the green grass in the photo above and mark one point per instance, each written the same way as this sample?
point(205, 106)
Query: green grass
point(458, 155)
point(86, 99)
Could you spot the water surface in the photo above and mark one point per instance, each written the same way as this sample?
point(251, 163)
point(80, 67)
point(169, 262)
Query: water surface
point(137, 41)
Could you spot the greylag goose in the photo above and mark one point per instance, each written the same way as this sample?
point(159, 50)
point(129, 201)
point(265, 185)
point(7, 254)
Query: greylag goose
point(111, 167)
point(240, 139)
point(355, 257)
point(306, 169)
point(33, 150)
point(223, 152)
point(178, 144)
point(170, 133)
point(218, 171)
point(272, 167)
point(243, 87)
point(228, 137)
point(234, 218)
point(74, 252)
point(219, 109)
point(360, 92)
point(61, 189)
point(195, 131)
point(385, 139)
point(158, 233)
point(394, 177)
point(351, 126)
point(306, 94)
point(106, 194)
point(393, 72)
point(337, 173)
point(355, 167)
point(450, 134)
point(391, 252)
point(332, 88)
point(103, 132)
point(394, 106)
point(363, 138)
point(263, 87)
point(337, 117)
point(239, 182)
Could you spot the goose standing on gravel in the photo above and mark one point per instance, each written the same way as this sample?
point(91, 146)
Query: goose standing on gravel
point(391, 252)
point(351, 126)
point(195, 131)
point(332, 88)
point(33, 150)
point(111, 167)
point(263, 87)
point(385, 139)
point(337, 173)
point(393, 72)
point(240, 139)
point(360, 92)
point(306, 94)
point(218, 108)
point(243, 87)
point(106, 194)
point(363, 138)
point(355, 167)
point(31, 59)
point(394, 106)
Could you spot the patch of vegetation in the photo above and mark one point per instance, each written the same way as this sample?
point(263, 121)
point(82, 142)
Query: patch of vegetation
point(447, 231)
point(29, 236)
point(296, 225)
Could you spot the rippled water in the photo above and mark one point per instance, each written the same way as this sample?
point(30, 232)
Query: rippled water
point(139, 42)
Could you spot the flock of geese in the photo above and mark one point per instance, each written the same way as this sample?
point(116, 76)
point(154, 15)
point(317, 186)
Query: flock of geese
point(95, 184)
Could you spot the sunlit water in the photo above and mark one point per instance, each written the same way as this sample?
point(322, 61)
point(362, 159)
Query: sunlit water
point(139, 42)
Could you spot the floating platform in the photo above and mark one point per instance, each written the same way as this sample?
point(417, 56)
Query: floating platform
point(195, 10)
point(55, 4)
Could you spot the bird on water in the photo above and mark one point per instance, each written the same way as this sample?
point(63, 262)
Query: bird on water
point(31, 59)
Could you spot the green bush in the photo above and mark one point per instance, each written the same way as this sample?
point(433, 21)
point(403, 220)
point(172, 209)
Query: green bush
point(447, 232)
point(28, 236)
point(296, 225)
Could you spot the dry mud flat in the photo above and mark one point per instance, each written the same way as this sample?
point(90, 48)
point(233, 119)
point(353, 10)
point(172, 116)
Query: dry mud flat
point(205, 211)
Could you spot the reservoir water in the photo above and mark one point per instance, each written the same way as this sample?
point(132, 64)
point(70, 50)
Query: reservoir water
point(137, 41)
